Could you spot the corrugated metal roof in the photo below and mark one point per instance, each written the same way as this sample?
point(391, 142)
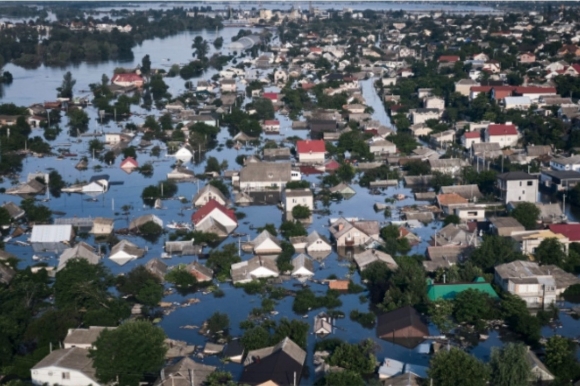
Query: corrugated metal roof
point(51, 233)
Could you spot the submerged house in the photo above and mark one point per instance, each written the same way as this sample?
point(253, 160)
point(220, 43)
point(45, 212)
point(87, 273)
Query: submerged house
point(256, 268)
point(51, 237)
point(449, 291)
point(184, 372)
point(403, 326)
point(80, 251)
point(125, 251)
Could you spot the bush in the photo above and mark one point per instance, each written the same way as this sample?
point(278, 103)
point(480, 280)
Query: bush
point(306, 300)
point(301, 212)
point(366, 319)
point(180, 277)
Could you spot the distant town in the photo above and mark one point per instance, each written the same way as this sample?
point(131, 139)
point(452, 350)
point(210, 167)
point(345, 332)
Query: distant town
point(289, 194)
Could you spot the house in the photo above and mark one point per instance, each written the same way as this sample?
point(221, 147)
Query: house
point(83, 337)
point(181, 173)
point(322, 324)
point(295, 197)
point(463, 86)
point(125, 251)
point(569, 49)
point(345, 190)
point(535, 92)
point(443, 137)
point(256, 268)
point(403, 326)
point(498, 93)
point(311, 151)
point(449, 201)
point(569, 163)
point(447, 165)
point(382, 147)
point(158, 268)
point(405, 379)
point(369, 256)
point(453, 234)
point(528, 241)
point(102, 226)
point(540, 372)
point(422, 115)
point(390, 368)
point(448, 59)
point(420, 130)
point(184, 372)
point(228, 85)
point(571, 231)
point(517, 102)
point(281, 365)
point(354, 233)
point(127, 80)
point(80, 251)
point(433, 102)
point(314, 243)
point(469, 192)
point(113, 139)
point(517, 186)
point(538, 286)
point(505, 226)
point(65, 367)
point(302, 266)
point(469, 138)
point(271, 126)
point(280, 76)
point(470, 213)
point(51, 237)
point(137, 223)
point(200, 271)
point(527, 57)
point(338, 285)
point(129, 164)
point(14, 211)
point(265, 175)
point(203, 118)
point(504, 135)
point(449, 291)
point(208, 193)
point(559, 180)
point(266, 244)
point(31, 187)
point(214, 215)
point(272, 96)
point(318, 127)
point(234, 351)
point(412, 238)
point(443, 256)
point(184, 154)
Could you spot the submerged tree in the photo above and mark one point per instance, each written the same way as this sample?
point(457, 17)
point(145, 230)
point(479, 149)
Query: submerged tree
point(66, 88)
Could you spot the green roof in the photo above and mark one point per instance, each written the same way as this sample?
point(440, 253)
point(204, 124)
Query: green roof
point(450, 291)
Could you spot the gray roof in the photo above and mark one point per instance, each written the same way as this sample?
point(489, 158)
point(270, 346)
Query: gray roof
point(505, 222)
point(368, 227)
point(6, 274)
point(447, 162)
point(298, 192)
point(13, 210)
point(466, 191)
point(315, 236)
point(266, 171)
point(157, 267)
point(178, 373)
point(243, 271)
point(286, 345)
point(265, 235)
point(516, 176)
point(302, 261)
point(128, 247)
point(369, 256)
point(208, 188)
point(562, 174)
point(104, 221)
point(70, 358)
point(84, 336)
point(80, 251)
point(51, 233)
point(485, 146)
point(534, 361)
point(141, 220)
point(197, 266)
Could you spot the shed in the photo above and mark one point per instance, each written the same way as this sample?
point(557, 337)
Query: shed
point(51, 237)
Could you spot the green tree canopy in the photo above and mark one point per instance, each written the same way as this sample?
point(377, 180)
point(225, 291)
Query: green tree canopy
point(456, 367)
point(527, 214)
point(301, 212)
point(495, 250)
point(551, 251)
point(509, 365)
point(128, 353)
point(145, 287)
point(358, 358)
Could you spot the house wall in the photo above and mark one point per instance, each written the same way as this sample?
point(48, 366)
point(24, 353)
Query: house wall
point(311, 157)
point(503, 140)
point(221, 218)
point(468, 142)
point(422, 118)
point(102, 229)
point(291, 202)
point(519, 190)
point(470, 213)
point(54, 375)
point(352, 238)
point(390, 149)
point(267, 247)
point(463, 89)
point(263, 272)
point(559, 166)
point(319, 246)
point(205, 197)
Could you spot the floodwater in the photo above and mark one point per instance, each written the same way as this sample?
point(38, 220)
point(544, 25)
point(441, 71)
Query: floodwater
point(38, 85)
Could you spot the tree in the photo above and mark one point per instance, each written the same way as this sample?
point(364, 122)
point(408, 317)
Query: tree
point(66, 88)
point(451, 219)
point(345, 172)
point(343, 378)
point(220, 378)
point(179, 276)
point(146, 65)
point(221, 261)
point(354, 357)
point(5, 218)
point(509, 365)
point(255, 338)
point(212, 165)
point(495, 250)
point(561, 358)
point(264, 108)
point(439, 179)
point(218, 322)
point(301, 212)
point(527, 214)
point(456, 367)
point(440, 312)
point(78, 120)
point(141, 284)
point(292, 229)
point(551, 251)
point(417, 168)
point(472, 306)
point(158, 87)
point(294, 329)
point(126, 354)
point(130, 151)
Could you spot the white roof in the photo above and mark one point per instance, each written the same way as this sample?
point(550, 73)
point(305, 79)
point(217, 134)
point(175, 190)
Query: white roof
point(51, 233)
point(517, 100)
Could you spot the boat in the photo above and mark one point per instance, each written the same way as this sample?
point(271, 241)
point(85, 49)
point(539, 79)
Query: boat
point(400, 196)
point(179, 226)
point(7, 239)
point(36, 257)
point(165, 255)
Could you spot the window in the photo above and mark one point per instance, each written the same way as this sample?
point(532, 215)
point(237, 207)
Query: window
point(66, 375)
point(294, 201)
point(530, 183)
point(519, 198)
point(520, 183)
point(523, 192)
point(472, 213)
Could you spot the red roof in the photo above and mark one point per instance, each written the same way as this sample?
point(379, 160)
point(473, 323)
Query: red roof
point(271, 122)
point(472, 134)
point(481, 88)
point(307, 86)
point(129, 161)
point(205, 210)
point(503, 88)
point(571, 231)
point(331, 165)
point(502, 130)
point(310, 146)
point(535, 90)
point(127, 77)
point(270, 95)
point(449, 58)
point(315, 49)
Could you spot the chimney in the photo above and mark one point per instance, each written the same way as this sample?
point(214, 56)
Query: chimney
point(340, 226)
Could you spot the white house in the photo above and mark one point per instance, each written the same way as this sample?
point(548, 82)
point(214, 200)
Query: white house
point(423, 115)
point(433, 102)
point(228, 85)
point(311, 151)
point(213, 214)
point(207, 193)
point(469, 138)
point(125, 251)
point(295, 197)
point(302, 266)
point(256, 268)
point(83, 337)
point(517, 102)
point(383, 147)
point(518, 186)
point(504, 135)
point(183, 154)
point(266, 244)
point(65, 367)
point(317, 243)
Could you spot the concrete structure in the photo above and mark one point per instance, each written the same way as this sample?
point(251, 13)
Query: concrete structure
point(295, 197)
point(517, 186)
